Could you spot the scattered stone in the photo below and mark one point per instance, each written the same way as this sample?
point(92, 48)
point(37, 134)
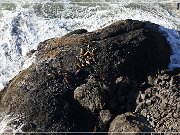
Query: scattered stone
point(157, 115)
point(144, 112)
point(123, 79)
point(150, 80)
point(105, 116)
point(148, 102)
point(164, 101)
point(143, 96)
point(176, 115)
point(162, 104)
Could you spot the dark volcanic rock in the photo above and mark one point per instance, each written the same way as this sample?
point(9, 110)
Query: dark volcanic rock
point(129, 122)
point(119, 57)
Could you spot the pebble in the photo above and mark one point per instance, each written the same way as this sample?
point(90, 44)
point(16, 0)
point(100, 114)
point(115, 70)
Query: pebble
point(157, 115)
point(152, 123)
point(163, 105)
point(139, 106)
point(143, 96)
point(163, 83)
point(149, 94)
point(170, 102)
point(163, 114)
point(105, 116)
point(165, 77)
point(164, 101)
point(175, 115)
point(118, 80)
point(157, 81)
point(169, 115)
point(144, 112)
point(148, 102)
point(150, 80)
point(148, 117)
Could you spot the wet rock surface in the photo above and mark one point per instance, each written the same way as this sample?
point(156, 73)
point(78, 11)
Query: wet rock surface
point(83, 80)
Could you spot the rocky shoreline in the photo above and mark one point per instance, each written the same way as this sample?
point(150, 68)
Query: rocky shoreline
point(113, 79)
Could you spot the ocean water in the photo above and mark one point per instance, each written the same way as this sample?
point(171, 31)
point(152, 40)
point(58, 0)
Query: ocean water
point(26, 23)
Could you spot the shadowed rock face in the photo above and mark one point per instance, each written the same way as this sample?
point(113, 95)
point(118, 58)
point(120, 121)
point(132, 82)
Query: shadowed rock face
point(44, 93)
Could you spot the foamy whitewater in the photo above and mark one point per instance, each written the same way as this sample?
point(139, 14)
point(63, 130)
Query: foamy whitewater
point(26, 23)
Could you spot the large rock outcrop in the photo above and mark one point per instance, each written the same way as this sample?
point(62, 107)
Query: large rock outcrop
point(132, 48)
point(119, 57)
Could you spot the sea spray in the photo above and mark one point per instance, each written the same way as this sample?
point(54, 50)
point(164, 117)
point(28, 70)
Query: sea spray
point(10, 124)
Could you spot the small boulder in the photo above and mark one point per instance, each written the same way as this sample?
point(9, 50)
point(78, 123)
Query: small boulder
point(105, 116)
point(93, 95)
point(129, 122)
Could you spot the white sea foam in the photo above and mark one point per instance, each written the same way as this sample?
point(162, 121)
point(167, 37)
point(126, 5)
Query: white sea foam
point(29, 23)
point(8, 124)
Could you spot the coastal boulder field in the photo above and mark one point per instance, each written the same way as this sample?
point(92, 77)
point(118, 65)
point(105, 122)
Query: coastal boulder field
point(114, 79)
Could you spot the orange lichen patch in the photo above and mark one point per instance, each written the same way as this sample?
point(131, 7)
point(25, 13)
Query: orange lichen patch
point(50, 54)
point(72, 40)
point(65, 41)
point(51, 48)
